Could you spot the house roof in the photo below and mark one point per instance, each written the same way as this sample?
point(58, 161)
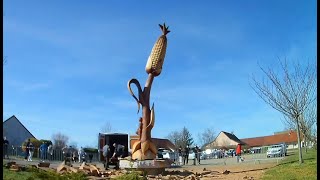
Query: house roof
point(224, 145)
point(288, 138)
point(14, 117)
point(233, 137)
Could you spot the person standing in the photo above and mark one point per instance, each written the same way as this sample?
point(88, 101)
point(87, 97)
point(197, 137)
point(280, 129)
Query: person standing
point(5, 147)
point(186, 155)
point(198, 154)
point(31, 150)
point(80, 151)
point(43, 151)
point(105, 153)
point(195, 151)
point(27, 150)
point(50, 152)
point(180, 155)
point(238, 152)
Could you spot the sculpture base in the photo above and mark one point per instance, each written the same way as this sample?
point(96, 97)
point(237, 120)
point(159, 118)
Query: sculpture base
point(149, 167)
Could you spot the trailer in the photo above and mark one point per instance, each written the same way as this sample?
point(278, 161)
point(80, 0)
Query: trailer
point(110, 138)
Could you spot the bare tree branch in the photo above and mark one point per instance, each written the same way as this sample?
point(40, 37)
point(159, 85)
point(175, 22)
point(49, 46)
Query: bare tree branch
point(207, 136)
point(106, 128)
point(59, 140)
point(290, 93)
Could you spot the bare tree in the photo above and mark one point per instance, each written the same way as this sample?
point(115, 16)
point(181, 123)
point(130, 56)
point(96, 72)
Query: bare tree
point(59, 140)
point(106, 128)
point(181, 138)
point(290, 93)
point(175, 137)
point(206, 137)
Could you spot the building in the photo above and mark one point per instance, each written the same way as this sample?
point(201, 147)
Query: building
point(288, 137)
point(224, 140)
point(15, 132)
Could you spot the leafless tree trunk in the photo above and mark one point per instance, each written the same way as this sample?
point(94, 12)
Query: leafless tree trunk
point(290, 93)
point(307, 124)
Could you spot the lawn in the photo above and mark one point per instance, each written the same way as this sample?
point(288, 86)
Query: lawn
point(23, 175)
point(290, 168)
point(38, 174)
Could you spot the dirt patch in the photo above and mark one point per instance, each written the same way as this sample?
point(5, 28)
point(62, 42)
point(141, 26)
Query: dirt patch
point(239, 171)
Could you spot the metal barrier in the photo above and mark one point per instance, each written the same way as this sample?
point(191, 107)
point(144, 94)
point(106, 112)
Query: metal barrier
point(57, 154)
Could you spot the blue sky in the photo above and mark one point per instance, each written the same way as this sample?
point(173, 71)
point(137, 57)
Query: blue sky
point(69, 63)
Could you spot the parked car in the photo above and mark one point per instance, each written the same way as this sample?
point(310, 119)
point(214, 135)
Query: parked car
point(165, 154)
point(278, 150)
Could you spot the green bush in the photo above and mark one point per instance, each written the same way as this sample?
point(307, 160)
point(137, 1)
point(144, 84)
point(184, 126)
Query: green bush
point(48, 142)
point(90, 150)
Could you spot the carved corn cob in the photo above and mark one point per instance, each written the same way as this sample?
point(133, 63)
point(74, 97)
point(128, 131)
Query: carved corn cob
point(156, 58)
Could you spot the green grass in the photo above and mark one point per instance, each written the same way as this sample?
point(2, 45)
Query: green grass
point(290, 168)
point(130, 176)
point(10, 175)
point(38, 174)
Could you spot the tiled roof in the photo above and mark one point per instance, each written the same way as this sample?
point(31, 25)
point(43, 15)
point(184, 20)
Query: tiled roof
point(288, 138)
point(233, 137)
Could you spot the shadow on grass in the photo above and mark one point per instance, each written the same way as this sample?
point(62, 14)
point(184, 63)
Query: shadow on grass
point(250, 170)
point(294, 161)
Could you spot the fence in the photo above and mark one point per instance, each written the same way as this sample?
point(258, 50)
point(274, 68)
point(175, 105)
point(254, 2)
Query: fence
point(57, 154)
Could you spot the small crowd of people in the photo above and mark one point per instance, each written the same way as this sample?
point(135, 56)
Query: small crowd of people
point(45, 148)
point(111, 154)
point(183, 155)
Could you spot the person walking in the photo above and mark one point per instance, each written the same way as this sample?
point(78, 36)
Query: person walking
point(105, 153)
point(186, 155)
point(27, 150)
point(31, 150)
point(238, 152)
point(5, 147)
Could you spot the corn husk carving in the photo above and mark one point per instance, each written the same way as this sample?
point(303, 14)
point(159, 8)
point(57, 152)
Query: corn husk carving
point(144, 148)
point(158, 53)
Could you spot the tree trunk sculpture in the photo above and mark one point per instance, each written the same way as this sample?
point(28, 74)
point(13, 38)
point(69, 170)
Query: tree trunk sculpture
point(144, 148)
